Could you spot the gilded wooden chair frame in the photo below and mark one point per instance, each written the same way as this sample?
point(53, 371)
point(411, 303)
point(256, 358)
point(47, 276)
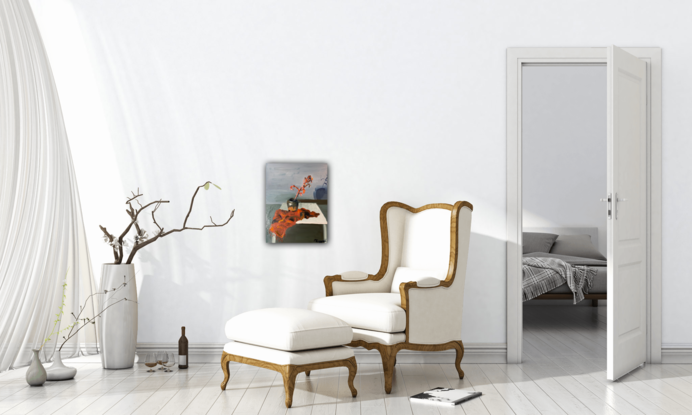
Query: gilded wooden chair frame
point(388, 352)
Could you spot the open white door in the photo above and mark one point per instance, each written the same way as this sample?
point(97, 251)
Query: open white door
point(627, 213)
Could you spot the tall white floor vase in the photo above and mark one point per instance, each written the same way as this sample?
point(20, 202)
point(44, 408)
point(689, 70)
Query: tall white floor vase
point(118, 325)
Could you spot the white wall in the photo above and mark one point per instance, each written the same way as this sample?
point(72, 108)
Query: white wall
point(404, 99)
point(564, 147)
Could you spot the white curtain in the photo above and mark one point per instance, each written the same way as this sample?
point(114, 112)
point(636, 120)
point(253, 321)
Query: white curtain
point(42, 239)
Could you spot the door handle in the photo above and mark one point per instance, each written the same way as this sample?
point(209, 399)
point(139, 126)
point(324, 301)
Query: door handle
point(609, 199)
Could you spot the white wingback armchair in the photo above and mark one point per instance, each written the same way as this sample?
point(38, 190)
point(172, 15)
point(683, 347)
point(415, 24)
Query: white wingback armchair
point(415, 300)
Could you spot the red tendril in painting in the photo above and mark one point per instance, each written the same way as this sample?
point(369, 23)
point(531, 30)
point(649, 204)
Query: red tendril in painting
point(301, 190)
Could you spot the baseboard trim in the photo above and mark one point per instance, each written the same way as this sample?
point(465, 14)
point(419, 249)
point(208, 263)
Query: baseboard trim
point(473, 353)
point(676, 353)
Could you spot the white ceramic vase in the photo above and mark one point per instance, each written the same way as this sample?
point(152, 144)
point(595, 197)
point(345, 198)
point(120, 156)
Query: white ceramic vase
point(58, 371)
point(35, 374)
point(118, 324)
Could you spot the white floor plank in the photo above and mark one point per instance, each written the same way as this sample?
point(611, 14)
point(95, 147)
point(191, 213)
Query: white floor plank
point(95, 392)
point(509, 391)
point(397, 401)
point(229, 399)
point(472, 407)
point(327, 390)
point(491, 398)
point(274, 403)
point(346, 404)
point(165, 393)
point(179, 402)
point(370, 384)
point(539, 398)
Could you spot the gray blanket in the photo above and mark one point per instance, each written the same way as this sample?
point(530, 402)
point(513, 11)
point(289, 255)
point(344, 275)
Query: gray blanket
point(544, 274)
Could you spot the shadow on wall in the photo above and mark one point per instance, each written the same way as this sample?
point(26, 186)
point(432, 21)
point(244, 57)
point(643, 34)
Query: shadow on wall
point(209, 294)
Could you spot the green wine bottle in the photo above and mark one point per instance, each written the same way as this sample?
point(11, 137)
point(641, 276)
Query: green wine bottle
point(182, 351)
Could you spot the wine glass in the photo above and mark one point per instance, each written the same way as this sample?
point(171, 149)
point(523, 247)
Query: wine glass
point(172, 360)
point(150, 362)
point(163, 360)
point(159, 359)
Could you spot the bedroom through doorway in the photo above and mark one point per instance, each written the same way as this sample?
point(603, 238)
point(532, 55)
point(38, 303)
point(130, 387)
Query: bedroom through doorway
point(564, 174)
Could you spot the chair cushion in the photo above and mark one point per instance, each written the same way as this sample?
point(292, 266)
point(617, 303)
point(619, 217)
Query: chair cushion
point(405, 274)
point(289, 329)
point(281, 357)
point(371, 311)
point(370, 336)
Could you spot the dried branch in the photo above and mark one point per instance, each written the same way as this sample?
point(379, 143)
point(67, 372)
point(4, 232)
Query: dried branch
point(92, 320)
point(199, 229)
point(110, 240)
point(77, 317)
point(134, 196)
point(161, 233)
point(192, 202)
point(133, 222)
point(140, 240)
point(153, 217)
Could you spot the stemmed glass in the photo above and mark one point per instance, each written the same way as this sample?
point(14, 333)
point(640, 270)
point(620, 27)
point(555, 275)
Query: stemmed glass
point(164, 360)
point(160, 357)
point(150, 362)
point(172, 359)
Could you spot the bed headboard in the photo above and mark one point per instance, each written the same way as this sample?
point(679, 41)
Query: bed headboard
point(569, 231)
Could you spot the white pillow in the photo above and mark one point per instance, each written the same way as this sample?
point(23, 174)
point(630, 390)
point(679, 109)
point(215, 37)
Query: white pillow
point(405, 274)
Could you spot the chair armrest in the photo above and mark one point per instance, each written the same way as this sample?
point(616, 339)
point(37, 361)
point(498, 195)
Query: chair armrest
point(433, 312)
point(425, 283)
point(354, 276)
point(358, 281)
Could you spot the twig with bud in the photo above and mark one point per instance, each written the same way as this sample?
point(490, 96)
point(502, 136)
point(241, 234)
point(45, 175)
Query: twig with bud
point(142, 238)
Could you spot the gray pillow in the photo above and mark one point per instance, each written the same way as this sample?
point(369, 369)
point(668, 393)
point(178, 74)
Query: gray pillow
point(576, 245)
point(537, 242)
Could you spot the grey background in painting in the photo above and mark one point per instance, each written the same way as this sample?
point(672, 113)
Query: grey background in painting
point(278, 178)
point(564, 147)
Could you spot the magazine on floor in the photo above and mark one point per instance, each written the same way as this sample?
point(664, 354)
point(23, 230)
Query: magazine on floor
point(445, 396)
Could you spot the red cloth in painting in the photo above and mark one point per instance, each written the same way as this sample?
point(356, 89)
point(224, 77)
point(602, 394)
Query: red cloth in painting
point(284, 219)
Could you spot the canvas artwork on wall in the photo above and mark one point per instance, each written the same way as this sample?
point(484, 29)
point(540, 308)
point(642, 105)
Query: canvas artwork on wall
point(296, 196)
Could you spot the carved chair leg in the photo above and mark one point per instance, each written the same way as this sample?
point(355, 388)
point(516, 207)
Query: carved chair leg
point(459, 347)
point(388, 354)
point(289, 374)
point(352, 369)
point(307, 373)
point(225, 361)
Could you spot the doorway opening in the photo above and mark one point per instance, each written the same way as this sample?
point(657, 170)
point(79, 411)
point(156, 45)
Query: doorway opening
point(649, 84)
point(564, 226)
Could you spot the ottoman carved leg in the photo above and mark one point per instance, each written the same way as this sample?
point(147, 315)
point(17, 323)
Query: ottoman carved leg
point(289, 372)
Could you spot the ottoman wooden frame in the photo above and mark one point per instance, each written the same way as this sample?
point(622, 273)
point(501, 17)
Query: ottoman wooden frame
point(290, 372)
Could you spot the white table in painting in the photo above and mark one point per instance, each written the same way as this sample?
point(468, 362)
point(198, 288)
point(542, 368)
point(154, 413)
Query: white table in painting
point(319, 220)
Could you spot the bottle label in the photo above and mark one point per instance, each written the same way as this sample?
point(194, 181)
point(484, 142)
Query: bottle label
point(183, 360)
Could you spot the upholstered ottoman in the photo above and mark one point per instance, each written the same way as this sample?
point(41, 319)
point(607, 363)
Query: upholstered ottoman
point(289, 341)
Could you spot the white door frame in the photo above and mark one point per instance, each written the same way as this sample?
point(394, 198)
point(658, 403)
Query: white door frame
point(516, 57)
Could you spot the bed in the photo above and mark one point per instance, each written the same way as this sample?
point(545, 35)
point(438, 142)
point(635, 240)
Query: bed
point(575, 246)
